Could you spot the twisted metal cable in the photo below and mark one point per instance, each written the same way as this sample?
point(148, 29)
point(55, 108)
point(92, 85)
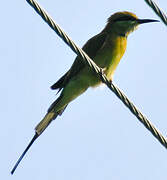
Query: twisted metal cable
point(99, 72)
point(157, 10)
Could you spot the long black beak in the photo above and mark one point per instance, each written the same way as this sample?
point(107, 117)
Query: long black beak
point(142, 21)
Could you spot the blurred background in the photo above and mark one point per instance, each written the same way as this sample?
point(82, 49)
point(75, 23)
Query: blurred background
point(97, 137)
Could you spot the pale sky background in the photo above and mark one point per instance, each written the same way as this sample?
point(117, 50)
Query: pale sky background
point(97, 137)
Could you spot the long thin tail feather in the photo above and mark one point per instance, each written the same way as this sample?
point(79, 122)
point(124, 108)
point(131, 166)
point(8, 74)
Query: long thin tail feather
point(23, 154)
point(51, 115)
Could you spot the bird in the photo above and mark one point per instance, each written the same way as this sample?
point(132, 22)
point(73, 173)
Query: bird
point(106, 50)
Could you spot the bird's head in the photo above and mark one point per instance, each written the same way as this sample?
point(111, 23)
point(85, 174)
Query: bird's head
point(123, 23)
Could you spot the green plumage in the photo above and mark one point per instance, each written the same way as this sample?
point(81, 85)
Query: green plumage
point(105, 49)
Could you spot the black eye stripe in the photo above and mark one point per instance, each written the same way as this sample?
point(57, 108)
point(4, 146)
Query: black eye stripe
point(125, 18)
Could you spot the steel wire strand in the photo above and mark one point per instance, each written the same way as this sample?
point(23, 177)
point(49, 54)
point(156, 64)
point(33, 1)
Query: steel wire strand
point(157, 10)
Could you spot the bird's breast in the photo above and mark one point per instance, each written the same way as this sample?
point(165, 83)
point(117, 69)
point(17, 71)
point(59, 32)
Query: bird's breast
point(108, 57)
point(111, 55)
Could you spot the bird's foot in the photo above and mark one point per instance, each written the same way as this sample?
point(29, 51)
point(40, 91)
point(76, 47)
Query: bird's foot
point(102, 71)
point(102, 74)
point(110, 82)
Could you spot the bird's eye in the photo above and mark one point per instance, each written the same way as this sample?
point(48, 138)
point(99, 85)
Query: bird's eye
point(125, 18)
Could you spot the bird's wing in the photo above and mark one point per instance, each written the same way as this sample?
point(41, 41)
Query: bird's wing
point(91, 48)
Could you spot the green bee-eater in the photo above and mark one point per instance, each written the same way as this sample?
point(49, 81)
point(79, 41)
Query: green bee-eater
point(105, 49)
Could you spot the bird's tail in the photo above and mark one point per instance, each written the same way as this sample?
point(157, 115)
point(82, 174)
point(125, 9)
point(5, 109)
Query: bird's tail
point(43, 124)
point(51, 115)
